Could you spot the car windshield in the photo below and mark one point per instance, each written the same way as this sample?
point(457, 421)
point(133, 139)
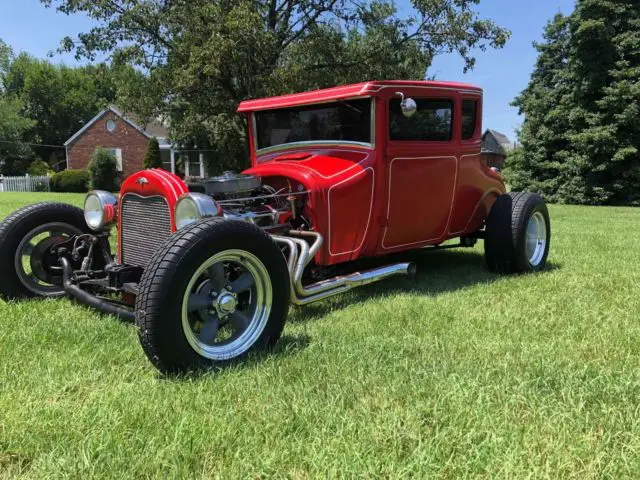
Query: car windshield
point(341, 121)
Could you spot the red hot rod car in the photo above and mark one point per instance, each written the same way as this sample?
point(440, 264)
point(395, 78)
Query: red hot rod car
point(208, 270)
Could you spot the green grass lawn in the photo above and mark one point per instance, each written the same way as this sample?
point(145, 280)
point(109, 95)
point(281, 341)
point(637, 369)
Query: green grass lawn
point(459, 373)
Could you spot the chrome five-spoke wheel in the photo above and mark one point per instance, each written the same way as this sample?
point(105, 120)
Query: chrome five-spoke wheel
point(216, 291)
point(226, 304)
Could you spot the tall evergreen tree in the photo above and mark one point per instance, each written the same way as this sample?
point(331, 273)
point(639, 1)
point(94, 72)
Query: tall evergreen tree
point(581, 134)
point(152, 157)
point(539, 165)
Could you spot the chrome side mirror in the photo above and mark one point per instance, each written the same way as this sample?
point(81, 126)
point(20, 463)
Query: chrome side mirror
point(408, 105)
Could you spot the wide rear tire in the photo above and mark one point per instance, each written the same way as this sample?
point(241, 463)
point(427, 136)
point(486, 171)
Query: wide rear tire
point(518, 234)
point(27, 269)
point(214, 292)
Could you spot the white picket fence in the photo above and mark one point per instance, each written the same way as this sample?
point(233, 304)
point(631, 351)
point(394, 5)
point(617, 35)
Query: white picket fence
point(25, 184)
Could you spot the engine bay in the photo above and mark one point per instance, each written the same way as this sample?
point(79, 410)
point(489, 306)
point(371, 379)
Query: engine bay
point(274, 203)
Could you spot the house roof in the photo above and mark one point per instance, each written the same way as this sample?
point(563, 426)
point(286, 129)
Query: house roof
point(500, 137)
point(151, 129)
point(495, 142)
point(365, 89)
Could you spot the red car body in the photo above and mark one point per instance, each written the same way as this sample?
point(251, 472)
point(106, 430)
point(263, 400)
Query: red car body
point(393, 195)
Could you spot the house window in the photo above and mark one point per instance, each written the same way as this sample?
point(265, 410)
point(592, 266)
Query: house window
point(469, 118)
point(116, 152)
point(433, 121)
point(111, 125)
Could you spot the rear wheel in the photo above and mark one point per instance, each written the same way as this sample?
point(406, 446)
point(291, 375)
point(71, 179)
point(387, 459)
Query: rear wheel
point(214, 292)
point(28, 267)
point(518, 233)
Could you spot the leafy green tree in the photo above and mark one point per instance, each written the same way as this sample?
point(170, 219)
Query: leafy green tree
point(6, 56)
point(202, 57)
point(103, 171)
point(581, 134)
point(39, 168)
point(15, 131)
point(152, 157)
point(59, 99)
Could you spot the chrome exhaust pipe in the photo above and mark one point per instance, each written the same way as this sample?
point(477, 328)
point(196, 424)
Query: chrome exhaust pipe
point(301, 254)
point(334, 286)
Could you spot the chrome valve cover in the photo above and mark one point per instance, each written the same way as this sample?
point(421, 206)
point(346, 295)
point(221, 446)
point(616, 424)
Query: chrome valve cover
point(230, 183)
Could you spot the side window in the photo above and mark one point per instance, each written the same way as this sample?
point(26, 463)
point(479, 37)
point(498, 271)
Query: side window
point(432, 122)
point(469, 118)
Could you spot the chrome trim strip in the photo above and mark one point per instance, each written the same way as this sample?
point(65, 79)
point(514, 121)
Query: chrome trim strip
point(310, 143)
point(254, 133)
point(372, 123)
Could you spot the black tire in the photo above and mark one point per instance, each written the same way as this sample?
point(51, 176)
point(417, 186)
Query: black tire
point(15, 228)
point(505, 244)
point(163, 286)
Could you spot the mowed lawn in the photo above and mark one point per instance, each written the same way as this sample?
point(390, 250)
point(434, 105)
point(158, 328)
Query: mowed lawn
point(459, 373)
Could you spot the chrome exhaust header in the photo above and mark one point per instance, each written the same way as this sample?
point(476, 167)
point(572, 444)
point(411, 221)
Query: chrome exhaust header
point(300, 254)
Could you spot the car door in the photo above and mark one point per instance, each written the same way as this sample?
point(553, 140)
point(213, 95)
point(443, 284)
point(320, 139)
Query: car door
point(420, 164)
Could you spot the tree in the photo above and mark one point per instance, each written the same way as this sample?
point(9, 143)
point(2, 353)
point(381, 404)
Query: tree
point(6, 56)
point(581, 134)
point(103, 171)
point(539, 165)
point(202, 57)
point(152, 157)
point(59, 99)
point(15, 130)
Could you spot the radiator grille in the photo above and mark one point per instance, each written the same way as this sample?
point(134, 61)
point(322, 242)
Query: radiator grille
point(145, 224)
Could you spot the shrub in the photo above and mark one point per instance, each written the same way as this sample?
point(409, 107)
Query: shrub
point(39, 168)
point(152, 158)
point(70, 181)
point(103, 171)
point(40, 186)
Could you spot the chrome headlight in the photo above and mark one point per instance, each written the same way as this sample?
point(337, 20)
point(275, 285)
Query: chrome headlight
point(100, 209)
point(191, 207)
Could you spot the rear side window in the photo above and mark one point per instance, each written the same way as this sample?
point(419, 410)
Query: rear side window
point(432, 122)
point(469, 118)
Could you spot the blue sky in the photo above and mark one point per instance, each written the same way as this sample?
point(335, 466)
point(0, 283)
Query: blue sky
point(28, 26)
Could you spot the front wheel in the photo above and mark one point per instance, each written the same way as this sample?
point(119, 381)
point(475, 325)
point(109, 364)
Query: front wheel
point(518, 234)
point(214, 292)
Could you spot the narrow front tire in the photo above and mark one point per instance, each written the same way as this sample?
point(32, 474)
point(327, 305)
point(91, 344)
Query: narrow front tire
point(28, 268)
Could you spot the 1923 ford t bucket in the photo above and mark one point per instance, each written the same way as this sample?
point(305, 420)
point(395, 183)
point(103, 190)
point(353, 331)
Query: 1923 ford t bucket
point(208, 270)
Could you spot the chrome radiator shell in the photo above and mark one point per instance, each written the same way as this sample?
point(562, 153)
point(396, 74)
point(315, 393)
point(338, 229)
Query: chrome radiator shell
point(145, 223)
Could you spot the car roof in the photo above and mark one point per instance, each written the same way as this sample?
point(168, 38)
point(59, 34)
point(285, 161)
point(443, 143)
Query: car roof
point(364, 89)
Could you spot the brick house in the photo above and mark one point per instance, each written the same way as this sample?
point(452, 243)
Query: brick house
point(112, 130)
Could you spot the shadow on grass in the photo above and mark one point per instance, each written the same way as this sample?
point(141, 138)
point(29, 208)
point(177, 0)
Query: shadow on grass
point(438, 272)
point(288, 345)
